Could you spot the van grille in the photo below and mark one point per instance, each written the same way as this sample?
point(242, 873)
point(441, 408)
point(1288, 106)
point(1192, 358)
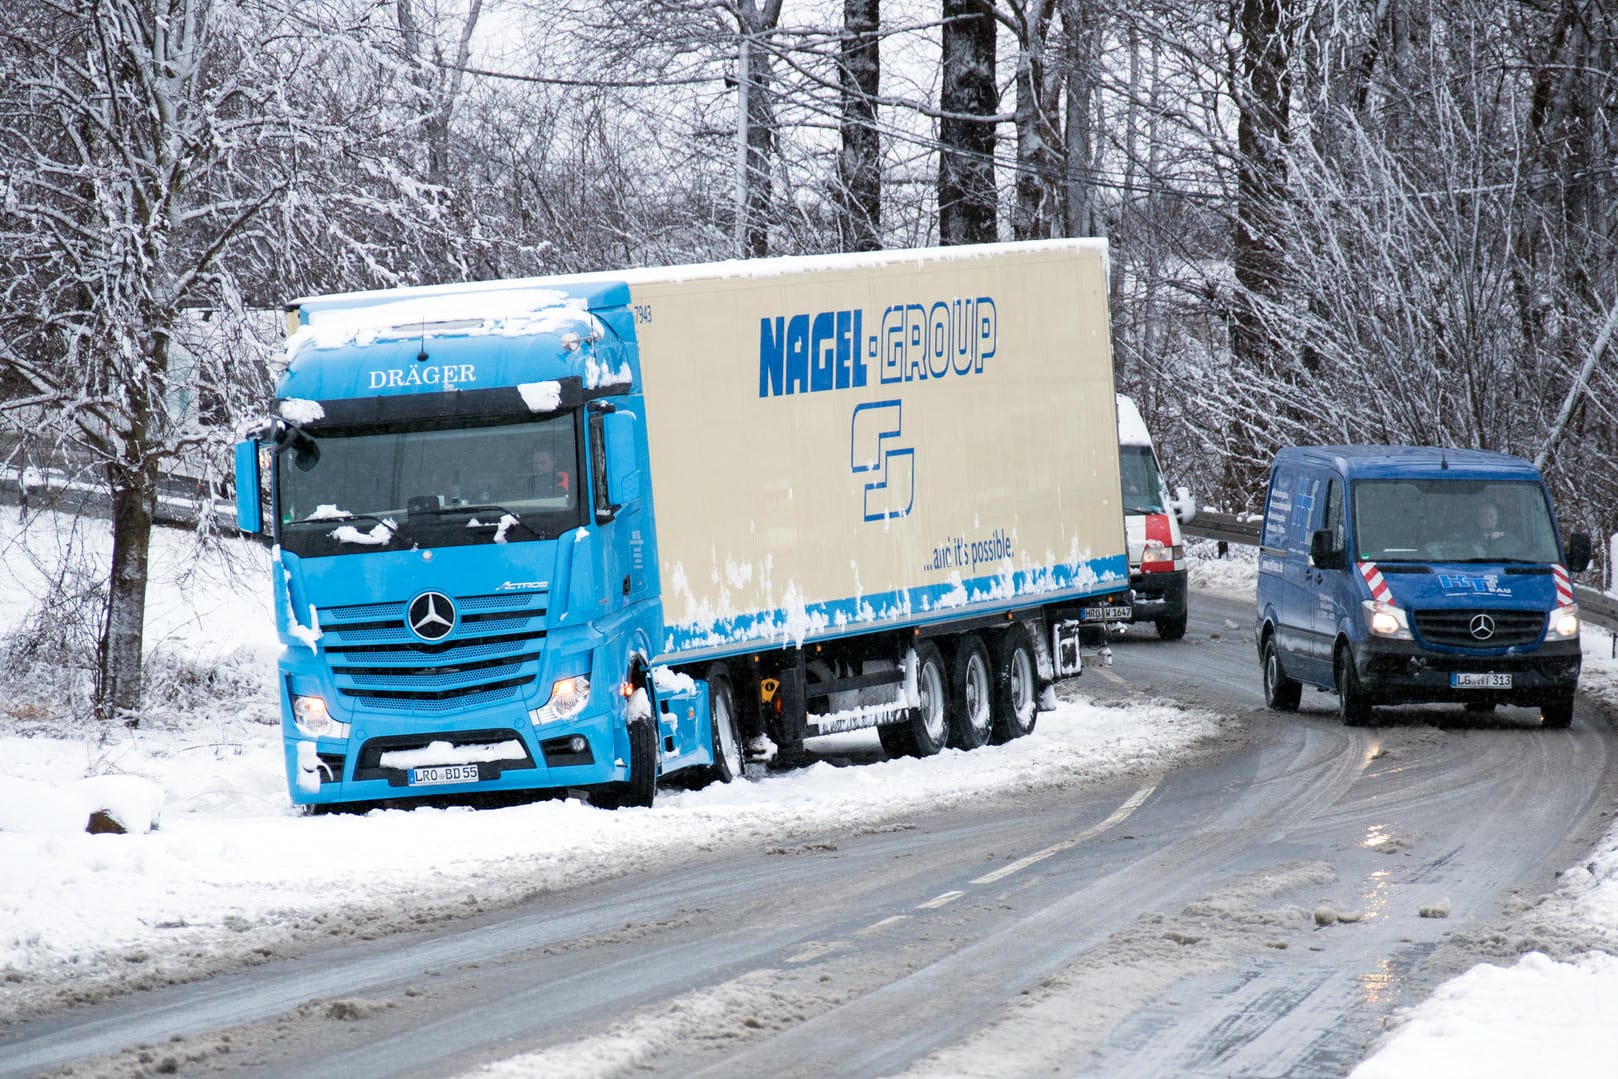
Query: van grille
point(1453, 629)
point(493, 652)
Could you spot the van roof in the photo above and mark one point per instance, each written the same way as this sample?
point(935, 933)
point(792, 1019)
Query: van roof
point(1437, 462)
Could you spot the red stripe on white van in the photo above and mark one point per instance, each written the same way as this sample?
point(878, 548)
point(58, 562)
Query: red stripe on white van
point(1564, 585)
point(1373, 579)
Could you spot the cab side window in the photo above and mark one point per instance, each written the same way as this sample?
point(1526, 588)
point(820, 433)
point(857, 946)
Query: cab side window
point(598, 466)
point(1333, 521)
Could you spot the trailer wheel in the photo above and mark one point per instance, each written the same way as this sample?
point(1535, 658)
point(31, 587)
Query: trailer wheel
point(929, 723)
point(1015, 702)
point(970, 715)
point(640, 789)
point(727, 740)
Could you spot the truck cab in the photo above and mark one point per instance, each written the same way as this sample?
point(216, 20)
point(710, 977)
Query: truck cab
point(1395, 574)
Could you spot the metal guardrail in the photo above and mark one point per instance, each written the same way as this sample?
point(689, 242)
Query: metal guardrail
point(1594, 605)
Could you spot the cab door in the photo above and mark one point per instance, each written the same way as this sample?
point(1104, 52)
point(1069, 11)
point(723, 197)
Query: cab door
point(1331, 587)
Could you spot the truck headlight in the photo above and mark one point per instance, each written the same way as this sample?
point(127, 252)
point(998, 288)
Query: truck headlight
point(568, 698)
point(1386, 620)
point(1565, 622)
point(314, 718)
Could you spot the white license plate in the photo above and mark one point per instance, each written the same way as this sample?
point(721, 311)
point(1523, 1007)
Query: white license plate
point(1104, 614)
point(1479, 680)
point(443, 773)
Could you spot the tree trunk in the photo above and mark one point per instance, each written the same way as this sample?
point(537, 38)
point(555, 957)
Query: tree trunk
point(120, 648)
point(859, 191)
point(968, 101)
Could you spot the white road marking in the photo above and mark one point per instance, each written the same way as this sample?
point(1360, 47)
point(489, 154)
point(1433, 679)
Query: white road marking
point(1118, 815)
point(939, 901)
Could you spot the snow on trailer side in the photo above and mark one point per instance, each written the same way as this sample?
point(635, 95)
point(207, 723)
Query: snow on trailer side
point(878, 441)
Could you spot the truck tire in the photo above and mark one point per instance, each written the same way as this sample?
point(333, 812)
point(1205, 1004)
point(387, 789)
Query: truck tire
point(895, 739)
point(640, 789)
point(1171, 629)
point(971, 719)
point(1353, 704)
point(929, 722)
point(1015, 702)
point(1281, 694)
point(1557, 711)
point(728, 760)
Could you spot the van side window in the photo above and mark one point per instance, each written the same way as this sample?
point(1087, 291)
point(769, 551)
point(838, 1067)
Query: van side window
point(1334, 516)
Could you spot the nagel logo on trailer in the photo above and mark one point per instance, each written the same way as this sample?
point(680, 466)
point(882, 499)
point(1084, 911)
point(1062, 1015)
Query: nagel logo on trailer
point(829, 350)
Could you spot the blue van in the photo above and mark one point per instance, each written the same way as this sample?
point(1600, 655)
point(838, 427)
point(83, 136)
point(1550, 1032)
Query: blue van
point(1402, 574)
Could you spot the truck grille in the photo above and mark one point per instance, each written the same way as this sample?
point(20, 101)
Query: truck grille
point(1453, 629)
point(492, 653)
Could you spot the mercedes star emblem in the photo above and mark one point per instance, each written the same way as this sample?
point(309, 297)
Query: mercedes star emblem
point(431, 616)
point(1482, 627)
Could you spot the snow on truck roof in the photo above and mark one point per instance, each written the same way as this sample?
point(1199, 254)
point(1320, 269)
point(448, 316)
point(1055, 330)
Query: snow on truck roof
point(1131, 428)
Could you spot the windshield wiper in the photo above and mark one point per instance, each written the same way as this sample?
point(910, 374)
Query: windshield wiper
point(346, 518)
point(472, 508)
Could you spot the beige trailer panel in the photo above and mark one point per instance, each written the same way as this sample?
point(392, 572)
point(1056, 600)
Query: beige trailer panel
point(863, 441)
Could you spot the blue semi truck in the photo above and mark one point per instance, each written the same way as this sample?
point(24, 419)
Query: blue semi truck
point(579, 534)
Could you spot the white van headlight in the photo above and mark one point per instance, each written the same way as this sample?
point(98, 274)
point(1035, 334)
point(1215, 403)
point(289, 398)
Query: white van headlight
point(1386, 620)
point(1564, 622)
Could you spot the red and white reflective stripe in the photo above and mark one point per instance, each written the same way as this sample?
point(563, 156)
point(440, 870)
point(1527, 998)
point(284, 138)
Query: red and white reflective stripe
point(1373, 578)
point(1564, 586)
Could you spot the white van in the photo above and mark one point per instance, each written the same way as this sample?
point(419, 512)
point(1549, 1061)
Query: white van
point(1152, 519)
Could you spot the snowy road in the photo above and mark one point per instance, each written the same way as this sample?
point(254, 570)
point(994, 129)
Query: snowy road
point(1262, 908)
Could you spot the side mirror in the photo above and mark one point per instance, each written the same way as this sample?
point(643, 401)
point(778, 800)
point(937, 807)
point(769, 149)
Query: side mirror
point(1323, 554)
point(1578, 552)
point(1184, 505)
point(623, 467)
point(248, 517)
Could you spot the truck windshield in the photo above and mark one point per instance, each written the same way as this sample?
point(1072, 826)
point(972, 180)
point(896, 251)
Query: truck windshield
point(352, 490)
point(1453, 521)
point(1143, 485)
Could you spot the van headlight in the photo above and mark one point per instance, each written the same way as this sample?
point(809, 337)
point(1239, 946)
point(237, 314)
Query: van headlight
point(568, 698)
point(1385, 620)
point(1564, 622)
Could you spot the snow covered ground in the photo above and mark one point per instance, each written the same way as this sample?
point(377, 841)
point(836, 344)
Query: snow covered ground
point(217, 866)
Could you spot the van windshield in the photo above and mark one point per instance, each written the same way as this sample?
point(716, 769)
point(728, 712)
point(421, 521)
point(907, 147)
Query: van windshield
point(394, 486)
point(1143, 485)
point(1458, 520)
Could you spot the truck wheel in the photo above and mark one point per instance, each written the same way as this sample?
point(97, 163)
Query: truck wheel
point(1015, 701)
point(727, 741)
point(970, 718)
point(1353, 705)
point(1171, 629)
point(1557, 711)
point(895, 739)
point(929, 724)
point(1281, 694)
point(640, 789)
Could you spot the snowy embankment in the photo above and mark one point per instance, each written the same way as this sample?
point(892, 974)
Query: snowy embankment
point(230, 871)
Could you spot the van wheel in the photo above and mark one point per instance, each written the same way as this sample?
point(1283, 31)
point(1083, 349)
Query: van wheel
point(1557, 711)
point(970, 721)
point(1016, 691)
point(1171, 629)
point(1281, 694)
point(727, 740)
point(1353, 705)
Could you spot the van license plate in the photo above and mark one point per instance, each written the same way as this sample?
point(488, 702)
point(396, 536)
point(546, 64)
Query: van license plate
point(1479, 680)
point(443, 773)
point(1105, 614)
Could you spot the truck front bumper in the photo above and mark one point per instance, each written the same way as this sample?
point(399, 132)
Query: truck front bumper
point(1400, 672)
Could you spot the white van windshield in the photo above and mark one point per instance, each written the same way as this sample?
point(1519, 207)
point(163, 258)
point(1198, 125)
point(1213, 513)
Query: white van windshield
point(1143, 484)
point(1458, 520)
